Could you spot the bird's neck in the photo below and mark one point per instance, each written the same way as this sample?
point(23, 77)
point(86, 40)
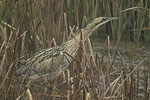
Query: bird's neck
point(85, 33)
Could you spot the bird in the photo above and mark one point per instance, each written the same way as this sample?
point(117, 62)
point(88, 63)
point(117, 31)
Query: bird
point(53, 61)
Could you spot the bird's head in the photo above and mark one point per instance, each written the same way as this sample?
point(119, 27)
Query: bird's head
point(97, 22)
point(94, 24)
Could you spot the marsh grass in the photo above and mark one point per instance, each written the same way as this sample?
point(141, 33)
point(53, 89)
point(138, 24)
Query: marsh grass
point(31, 25)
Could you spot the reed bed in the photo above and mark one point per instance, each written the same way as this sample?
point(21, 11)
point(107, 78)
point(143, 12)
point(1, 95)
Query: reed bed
point(31, 25)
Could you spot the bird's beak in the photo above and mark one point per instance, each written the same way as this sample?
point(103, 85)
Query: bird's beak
point(111, 18)
point(102, 20)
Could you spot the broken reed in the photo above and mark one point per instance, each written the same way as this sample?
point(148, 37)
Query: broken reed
point(29, 26)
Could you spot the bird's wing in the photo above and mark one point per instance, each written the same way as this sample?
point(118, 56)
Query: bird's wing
point(43, 61)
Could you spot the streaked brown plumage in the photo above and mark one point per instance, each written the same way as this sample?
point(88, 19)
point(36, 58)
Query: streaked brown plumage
point(51, 62)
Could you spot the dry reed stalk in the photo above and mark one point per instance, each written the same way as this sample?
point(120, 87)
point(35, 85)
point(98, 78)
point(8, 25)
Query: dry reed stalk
point(29, 94)
point(7, 75)
point(69, 79)
point(88, 96)
point(91, 52)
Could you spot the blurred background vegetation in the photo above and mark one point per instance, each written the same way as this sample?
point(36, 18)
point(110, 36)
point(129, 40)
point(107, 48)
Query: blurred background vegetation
point(47, 19)
point(28, 26)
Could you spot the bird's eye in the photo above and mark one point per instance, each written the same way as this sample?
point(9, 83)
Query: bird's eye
point(104, 19)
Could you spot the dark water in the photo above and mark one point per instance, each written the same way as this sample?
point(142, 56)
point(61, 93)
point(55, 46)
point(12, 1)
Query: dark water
point(131, 54)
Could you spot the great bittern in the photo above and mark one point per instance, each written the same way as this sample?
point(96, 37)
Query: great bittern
point(51, 62)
